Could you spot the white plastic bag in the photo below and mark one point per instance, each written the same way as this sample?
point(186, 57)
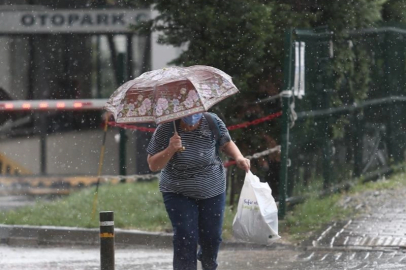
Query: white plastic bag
point(256, 220)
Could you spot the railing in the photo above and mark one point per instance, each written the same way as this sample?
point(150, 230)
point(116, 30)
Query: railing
point(331, 145)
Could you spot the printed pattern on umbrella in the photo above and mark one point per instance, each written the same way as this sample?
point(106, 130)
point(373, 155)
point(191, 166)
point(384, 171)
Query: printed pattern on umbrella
point(168, 94)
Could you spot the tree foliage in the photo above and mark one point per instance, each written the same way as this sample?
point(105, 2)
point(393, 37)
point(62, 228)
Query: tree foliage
point(246, 40)
point(394, 11)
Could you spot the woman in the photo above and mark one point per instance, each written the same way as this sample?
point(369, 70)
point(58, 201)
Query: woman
point(193, 184)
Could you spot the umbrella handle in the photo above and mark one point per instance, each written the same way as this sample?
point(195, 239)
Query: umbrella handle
point(176, 132)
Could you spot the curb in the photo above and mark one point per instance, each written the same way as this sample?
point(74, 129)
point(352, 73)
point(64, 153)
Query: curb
point(21, 235)
point(26, 235)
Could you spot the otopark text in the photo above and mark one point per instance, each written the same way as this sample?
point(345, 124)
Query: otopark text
point(72, 19)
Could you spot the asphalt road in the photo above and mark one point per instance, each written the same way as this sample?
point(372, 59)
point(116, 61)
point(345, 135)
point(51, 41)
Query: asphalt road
point(62, 258)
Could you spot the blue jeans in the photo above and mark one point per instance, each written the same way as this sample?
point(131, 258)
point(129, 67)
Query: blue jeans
point(195, 222)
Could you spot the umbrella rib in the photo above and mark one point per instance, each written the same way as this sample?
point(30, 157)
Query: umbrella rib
point(197, 92)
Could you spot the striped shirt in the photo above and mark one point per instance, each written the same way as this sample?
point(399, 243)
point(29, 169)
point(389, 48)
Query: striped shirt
point(197, 172)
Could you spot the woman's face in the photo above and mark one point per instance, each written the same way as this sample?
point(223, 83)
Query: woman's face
point(191, 120)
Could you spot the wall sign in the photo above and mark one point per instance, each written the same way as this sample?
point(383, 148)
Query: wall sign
point(70, 21)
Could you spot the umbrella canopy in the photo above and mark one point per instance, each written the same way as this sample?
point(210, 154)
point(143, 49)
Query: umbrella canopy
point(168, 94)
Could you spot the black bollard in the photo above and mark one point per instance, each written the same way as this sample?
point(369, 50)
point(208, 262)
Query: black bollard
point(107, 240)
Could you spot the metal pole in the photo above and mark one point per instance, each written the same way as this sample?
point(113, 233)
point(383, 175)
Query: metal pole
point(123, 136)
point(284, 156)
point(43, 76)
point(326, 49)
point(98, 69)
point(31, 67)
point(123, 152)
point(357, 121)
point(285, 125)
point(43, 146)
point(395, 144)
point(327, 145)
point(129, 63)
point(107, 240)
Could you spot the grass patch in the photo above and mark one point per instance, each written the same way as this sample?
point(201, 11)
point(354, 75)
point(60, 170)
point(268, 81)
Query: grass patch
point(140, 206)
point(395, 181)
point(311, 216)
point(135, 205)
point(312, 187)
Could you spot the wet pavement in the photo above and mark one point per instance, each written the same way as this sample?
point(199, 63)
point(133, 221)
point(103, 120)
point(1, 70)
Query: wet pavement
point(375, 239)
point(19, 258)
point(382, 223)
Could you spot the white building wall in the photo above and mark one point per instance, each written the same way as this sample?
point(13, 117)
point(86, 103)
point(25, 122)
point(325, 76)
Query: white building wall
point(161, 54)
point(71, 153)
point(23, 151)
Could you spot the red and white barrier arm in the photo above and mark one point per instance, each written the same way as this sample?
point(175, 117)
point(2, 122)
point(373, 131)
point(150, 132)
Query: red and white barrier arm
point(256, 121)
point(131, 127)
point(52, 105)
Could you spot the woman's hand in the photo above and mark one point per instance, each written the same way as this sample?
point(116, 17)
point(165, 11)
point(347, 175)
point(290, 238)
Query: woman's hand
point(232, 151)
point(243, 163)
point(175, 143)
point(158, 161)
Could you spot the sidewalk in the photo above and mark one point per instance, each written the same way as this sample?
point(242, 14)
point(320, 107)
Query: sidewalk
point(382, 223)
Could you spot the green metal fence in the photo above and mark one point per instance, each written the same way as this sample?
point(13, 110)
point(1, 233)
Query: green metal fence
point(351, 122)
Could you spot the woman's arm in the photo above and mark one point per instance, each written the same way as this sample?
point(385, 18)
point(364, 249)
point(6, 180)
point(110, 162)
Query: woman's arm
point(159, 160)
point(231, 150)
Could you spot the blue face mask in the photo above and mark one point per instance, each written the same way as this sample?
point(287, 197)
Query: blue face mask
point(191, 120)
